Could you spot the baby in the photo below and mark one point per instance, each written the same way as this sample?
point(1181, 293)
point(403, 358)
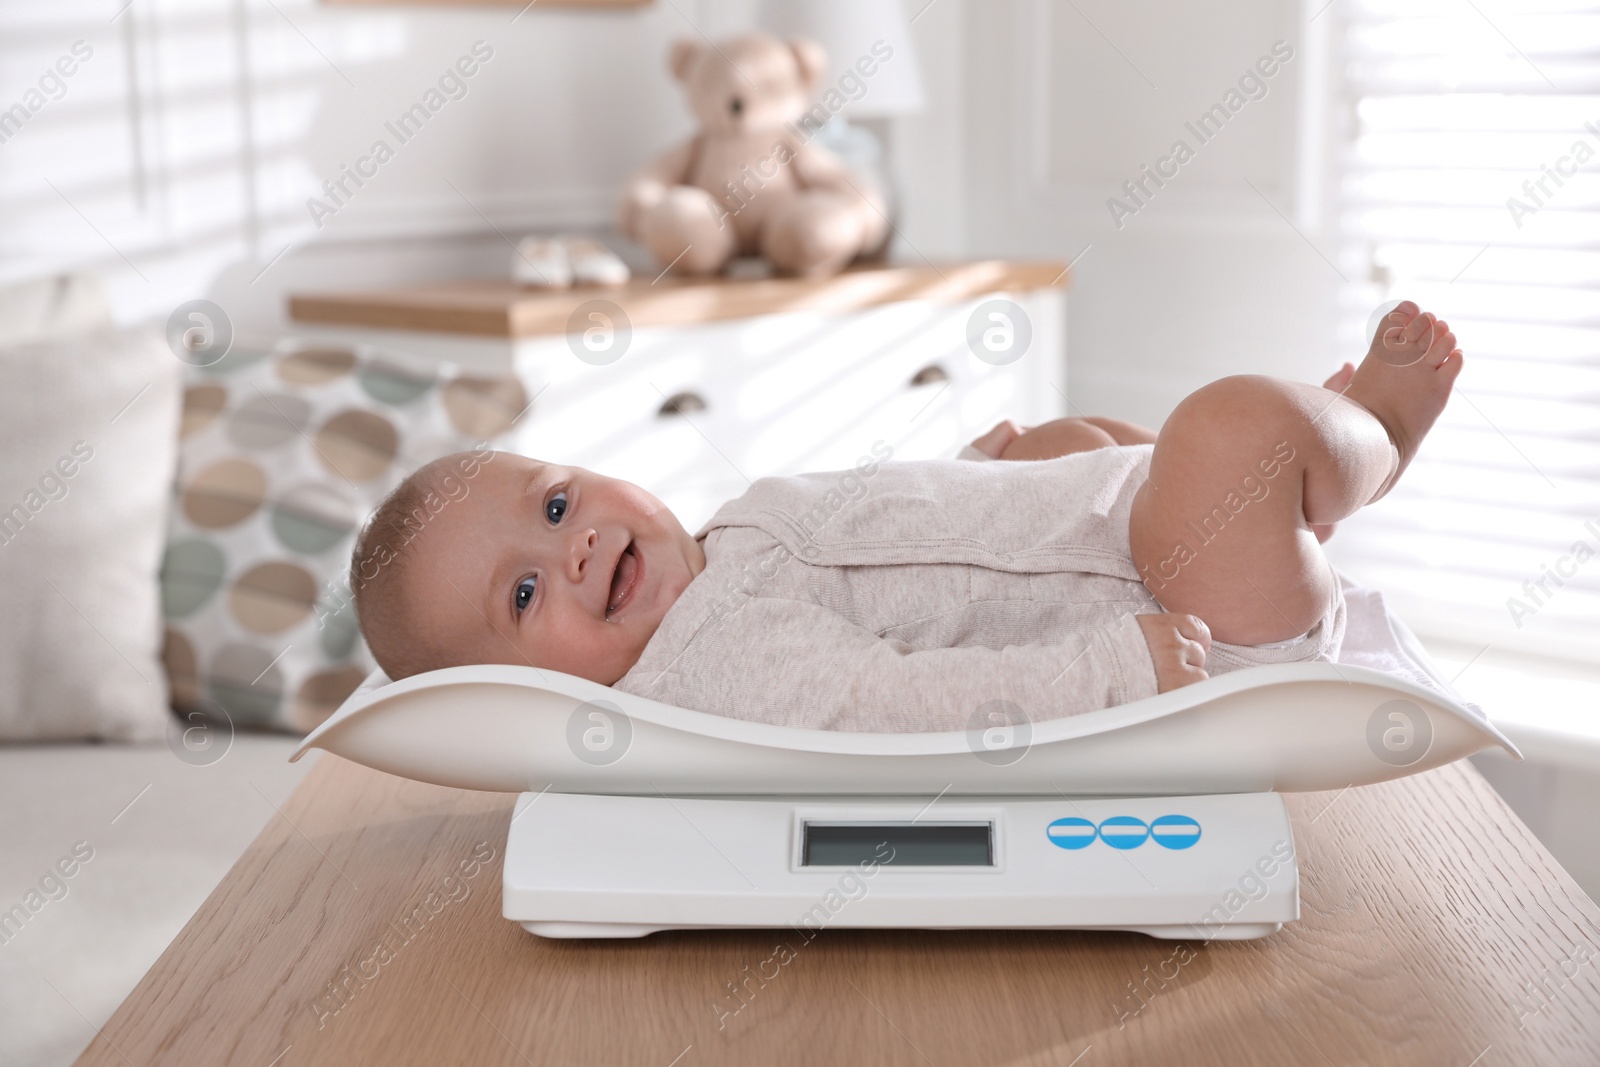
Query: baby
point(921, 595)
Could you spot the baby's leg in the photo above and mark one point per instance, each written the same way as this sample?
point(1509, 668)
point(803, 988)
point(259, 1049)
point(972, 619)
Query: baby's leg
point(1245, 465)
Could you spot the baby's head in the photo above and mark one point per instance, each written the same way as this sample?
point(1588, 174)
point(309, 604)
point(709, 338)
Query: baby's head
point(490, 557)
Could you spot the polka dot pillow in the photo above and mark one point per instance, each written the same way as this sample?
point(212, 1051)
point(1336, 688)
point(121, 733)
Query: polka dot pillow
point(283, 454)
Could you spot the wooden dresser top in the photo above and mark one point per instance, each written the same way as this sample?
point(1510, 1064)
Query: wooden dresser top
point(500, 308)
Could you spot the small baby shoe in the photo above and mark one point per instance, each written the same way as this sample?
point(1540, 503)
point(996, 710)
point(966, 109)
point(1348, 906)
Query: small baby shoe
point(593, 263)
point(542, 261)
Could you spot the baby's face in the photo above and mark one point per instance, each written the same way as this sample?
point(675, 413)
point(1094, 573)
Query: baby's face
point(550, 566)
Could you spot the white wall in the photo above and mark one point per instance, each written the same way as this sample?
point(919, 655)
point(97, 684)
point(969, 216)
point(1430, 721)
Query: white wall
point(1060, 104)
point(181, 157)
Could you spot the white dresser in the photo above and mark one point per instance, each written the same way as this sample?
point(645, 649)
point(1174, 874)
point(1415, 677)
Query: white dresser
point(693, 389)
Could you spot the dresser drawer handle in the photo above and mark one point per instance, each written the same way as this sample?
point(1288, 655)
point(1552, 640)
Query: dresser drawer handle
point(929, 375)
point(682, 404)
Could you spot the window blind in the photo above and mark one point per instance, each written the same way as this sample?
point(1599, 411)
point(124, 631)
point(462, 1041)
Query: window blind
point(132, 140)
point(1468, 179)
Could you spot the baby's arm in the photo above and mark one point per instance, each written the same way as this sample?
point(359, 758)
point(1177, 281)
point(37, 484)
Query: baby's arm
point(1178, 645)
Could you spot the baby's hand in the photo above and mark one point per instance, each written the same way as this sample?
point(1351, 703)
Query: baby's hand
point(996, 440)
point(1178, 645)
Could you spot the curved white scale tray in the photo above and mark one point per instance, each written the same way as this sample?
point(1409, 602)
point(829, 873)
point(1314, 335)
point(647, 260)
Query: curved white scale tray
point(1289, 727)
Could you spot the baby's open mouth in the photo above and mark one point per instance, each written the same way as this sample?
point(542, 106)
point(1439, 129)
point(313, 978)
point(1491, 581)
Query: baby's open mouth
point(625, 579)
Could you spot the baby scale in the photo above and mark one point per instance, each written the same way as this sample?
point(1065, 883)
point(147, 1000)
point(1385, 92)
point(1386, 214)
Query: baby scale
point(1162, 816)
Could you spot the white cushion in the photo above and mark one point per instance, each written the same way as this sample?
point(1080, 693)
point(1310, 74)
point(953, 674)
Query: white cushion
point(88, 442)
point(52, 307)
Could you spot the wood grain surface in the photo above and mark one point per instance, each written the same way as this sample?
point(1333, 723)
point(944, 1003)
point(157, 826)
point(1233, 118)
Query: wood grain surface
point(493, 307)
point(1434, 929)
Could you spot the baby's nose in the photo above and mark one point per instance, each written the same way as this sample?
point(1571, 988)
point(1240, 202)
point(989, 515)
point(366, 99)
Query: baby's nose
point(582, 551)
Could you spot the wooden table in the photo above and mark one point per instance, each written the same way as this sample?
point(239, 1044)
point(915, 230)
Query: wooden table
point(1434, 929)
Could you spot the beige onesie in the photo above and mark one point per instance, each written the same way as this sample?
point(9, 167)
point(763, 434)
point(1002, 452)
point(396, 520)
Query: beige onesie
point(926, 595)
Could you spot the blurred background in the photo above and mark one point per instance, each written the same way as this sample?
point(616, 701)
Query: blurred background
point(159, 152)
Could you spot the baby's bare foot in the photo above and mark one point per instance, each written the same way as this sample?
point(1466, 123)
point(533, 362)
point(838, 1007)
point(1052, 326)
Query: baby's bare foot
point(1405, 380)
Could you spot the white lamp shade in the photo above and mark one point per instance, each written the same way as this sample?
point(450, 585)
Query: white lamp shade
point(848, 30)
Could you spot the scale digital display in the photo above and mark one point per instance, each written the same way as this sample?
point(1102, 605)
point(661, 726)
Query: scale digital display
point(898, 844)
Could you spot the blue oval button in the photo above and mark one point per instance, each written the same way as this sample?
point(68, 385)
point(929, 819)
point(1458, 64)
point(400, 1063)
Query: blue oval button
point(1175, 831)
point(1071, 833)
point(1124, 831)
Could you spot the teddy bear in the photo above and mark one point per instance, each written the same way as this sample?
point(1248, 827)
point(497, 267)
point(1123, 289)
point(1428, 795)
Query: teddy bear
point(752, 182)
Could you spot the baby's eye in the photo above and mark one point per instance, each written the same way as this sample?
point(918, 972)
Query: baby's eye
point(555, 507)
point(524, 596)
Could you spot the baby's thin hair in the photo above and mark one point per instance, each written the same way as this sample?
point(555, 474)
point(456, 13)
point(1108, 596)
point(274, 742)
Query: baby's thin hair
point(378, 565)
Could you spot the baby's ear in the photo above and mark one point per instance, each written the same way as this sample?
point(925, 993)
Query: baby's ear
point(681, 59)
point(811, 58)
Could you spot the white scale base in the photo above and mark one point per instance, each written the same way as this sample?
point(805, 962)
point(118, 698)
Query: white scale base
point(1198, 867)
